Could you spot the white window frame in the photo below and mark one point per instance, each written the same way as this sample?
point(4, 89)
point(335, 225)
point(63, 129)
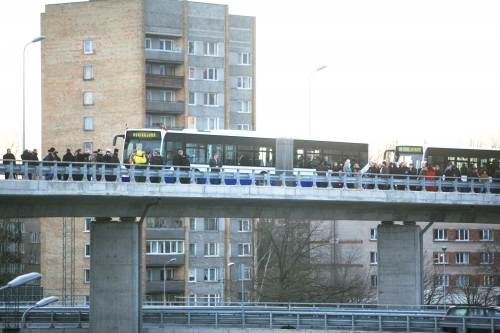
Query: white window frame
point(211, 249)
point(164, 43)
point(86, 250)
point(35, 237)
point(192, 275)
point(168, 274)
point(160, 247)
point(486, 258)
point(373, 234)
point(244, 225)
point(149, 275)
point(247, 273)
point(149, 69)
point(373, 280)
point(207, 222)
point(462, 235)
point(243, 127)
point(148, 44)
point(210, 49)
point(86, 224)
point(161, 69)
point(244, 106)
point(210, 123)
point(244, 59)
point(191, 73)
point(462, 280)
point(194, 98)
point(210, 74)
point(191, 47)
point(88, 72)
point(244, 82)
point(489, 280)
point(88, 47)
point(193, 246)
point(88, 98)
point(149, 95)
point(440, 280)
point(373, 258)
point(487, 235)
point(441, 234)
point(192, 224)
point(244, 250)
point(88, 146)
point(86, 275)
point(167, 93)
point(88, 123)
point(211, 274)
point(462, 258)
point(440, 259)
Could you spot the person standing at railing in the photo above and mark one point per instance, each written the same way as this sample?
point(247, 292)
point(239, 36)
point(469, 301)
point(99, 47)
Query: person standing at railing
point(140, 161)
point(80, 158)
point(431, 175)
point(33, 157)
point(156, 163)
point(9, 159)
point(321, 170)
point(385, 172)
point(49, 158)
point(403, 171)
point(67, 159)
point(215, 164)
point(181, 163)
point(115, 161)
point(484, 179)
point(412, 173)
point(57, 159)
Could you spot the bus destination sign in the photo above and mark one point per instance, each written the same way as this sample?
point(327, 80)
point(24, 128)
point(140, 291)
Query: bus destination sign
point(405, 149)
point(144, 134)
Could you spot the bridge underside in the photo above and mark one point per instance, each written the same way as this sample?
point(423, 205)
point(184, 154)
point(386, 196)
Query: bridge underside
point(86, 199)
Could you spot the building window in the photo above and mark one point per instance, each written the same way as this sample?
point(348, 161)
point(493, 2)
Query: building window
point(210, 49)
point(162, 70)
point(462, 258)
point(244, 82)
point(211, 224)
point(192, 249)
point(440, 234)
point(373, 258)
point(210, 74)
point(243, 127)
point(486, 258)
point(244, 225)
point(192, 224)
point(373, 280)
point(243, 58)
point(167, 274)
point(149, 275)
point(191, 48)
point(86, 224)
point(442, 280)
point(34, 259)
point(192, 98)
point(149, 69)
point(35, 237)
point(210, 123)
point(88, 123)
point(168, 96)
point(88, 147)
point(244, 106)
point(88, 98)
point(210, 274)
point(244, 250)
point(211, 250)
point(87, 47)
point(86, 276)
point(192, 275)
point(486, 235)
point(149, 95)
point(247, 273)
point(88, 72)
point(166, 45)
point(462, 280)
point(191, 73)
point(439, 258)
point(86, 250)
point(462, 234)
point(373, 234)
point(489, 280)
point(210, 99)
point(22, 248)
point(164, 247)
point(148, 44)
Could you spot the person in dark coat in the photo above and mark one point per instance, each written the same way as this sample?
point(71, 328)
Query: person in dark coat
point(80, 157)
point(57, 159)
point(156, 163)
point(322, 169)
point(26, 156)
point(9, 159)
point(49, 158)
point(115, 161)
point(34, 163)
point(215, 164)
point(181, 162)
point(67, 159)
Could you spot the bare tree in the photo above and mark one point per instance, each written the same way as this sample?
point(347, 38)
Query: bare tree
point(471, 290)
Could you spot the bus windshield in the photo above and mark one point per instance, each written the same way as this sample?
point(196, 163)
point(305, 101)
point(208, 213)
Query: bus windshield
point(147, 141)
point(410, 155)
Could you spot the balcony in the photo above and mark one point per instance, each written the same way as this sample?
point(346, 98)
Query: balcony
point(160, 260)
point(175, 57)
point(170, 286)
point(165, 107)
point(164, 81)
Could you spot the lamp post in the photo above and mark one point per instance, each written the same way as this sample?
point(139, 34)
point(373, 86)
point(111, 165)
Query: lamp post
point(224, 281)
point(22, 280)
point(316, 70)
point(444, 277)
point(37, 39)
point(165, 280)
point(242, 276)
point(39, 304)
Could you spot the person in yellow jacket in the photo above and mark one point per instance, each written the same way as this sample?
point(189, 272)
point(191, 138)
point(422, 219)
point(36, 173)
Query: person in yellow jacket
point(141, 161)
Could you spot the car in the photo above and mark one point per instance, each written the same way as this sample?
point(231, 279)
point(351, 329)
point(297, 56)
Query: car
point(478, 319)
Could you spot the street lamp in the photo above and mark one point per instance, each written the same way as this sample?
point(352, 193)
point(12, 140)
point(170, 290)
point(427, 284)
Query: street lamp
point(224, 281)
point(37, 39)
point(22, 280)
point(242, 276)
point(444, 273)
point(316, 70)
point(39, 304)
point(165, 280)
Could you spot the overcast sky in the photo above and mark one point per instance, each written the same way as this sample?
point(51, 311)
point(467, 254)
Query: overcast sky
point(405, 70)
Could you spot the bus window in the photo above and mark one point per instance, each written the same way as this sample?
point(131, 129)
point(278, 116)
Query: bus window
point(229, 157)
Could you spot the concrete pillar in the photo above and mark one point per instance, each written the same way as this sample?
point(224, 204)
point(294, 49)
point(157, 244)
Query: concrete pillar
point(115, 276)
point(399, 268)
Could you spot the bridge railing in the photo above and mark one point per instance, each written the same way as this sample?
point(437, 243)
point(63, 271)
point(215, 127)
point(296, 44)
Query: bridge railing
point(106, 172)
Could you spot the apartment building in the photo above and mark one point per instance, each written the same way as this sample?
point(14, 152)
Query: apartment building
point(112, 64)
